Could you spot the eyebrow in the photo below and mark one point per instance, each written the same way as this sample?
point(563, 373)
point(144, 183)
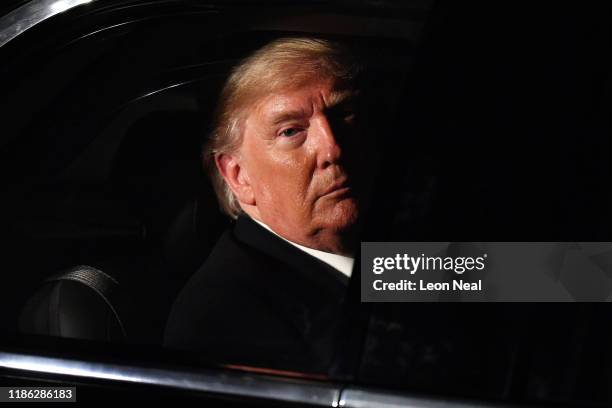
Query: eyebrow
point(288, 115)
point(339, 97)
point(336, 98)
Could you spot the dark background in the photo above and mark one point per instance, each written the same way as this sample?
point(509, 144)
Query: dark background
point(508, 103)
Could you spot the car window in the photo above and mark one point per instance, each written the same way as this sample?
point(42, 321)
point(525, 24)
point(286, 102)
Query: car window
point(102, 159)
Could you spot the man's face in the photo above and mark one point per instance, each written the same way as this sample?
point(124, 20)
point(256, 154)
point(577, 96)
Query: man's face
point(299, 154)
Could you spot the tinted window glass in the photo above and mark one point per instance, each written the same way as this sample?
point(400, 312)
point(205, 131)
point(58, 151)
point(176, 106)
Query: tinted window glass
point(103, 168)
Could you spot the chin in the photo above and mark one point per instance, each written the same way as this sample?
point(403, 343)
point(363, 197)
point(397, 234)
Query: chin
point(343, 216)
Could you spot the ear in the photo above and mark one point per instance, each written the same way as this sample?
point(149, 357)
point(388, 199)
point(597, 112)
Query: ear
point(236, 177)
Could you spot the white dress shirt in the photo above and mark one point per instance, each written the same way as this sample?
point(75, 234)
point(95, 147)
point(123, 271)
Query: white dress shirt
point(344, 264)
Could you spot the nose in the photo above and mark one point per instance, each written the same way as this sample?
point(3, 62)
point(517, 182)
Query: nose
point(328, 149)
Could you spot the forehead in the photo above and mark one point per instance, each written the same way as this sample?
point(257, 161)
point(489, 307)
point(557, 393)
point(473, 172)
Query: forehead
point(312, 96)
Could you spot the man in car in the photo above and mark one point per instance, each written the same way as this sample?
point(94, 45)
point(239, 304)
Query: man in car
point(285, 158)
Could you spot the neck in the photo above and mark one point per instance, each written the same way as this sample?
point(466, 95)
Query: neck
point(321, 239)
point(334, 242)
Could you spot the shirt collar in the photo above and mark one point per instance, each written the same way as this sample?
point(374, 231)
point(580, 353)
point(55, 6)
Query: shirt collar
point(343, 264)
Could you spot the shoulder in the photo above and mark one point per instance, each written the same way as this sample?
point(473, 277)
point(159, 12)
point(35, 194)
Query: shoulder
point(225, 299)
point(231, 264)
point(255, 291)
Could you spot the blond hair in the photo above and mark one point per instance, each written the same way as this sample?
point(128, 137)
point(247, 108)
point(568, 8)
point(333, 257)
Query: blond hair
point(285, 63)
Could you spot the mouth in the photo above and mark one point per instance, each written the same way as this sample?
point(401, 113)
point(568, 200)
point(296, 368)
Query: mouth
point(337, 189)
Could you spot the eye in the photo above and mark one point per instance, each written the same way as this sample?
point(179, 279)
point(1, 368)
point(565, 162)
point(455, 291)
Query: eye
point(290, 132)
point(350, 116)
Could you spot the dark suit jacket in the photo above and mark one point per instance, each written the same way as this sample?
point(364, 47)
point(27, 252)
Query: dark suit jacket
point(258, 300)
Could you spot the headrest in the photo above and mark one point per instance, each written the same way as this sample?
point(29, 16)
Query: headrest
point(82, 302)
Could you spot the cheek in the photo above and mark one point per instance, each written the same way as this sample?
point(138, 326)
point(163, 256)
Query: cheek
point(289, 175)
point(278, 187)
point(281, 179)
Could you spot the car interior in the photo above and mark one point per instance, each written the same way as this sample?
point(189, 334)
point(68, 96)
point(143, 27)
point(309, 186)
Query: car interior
point(117, 208)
